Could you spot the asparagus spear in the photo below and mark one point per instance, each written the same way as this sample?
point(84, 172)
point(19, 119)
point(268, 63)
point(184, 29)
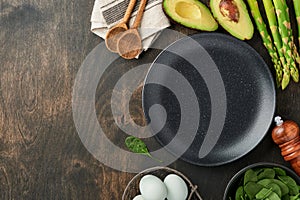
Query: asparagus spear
point(297, 12)
point(284, 25)
point(292, 44)
point(261, 26)
point(270, 12)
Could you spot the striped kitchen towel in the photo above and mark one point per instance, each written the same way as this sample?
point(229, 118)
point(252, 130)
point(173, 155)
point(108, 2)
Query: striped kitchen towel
point(107, 13)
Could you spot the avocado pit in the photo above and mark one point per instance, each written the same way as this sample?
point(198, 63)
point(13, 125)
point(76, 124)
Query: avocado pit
point(187, 10)
point(229, 9)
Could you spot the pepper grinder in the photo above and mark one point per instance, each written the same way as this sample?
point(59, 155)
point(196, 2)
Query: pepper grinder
point(286, 135)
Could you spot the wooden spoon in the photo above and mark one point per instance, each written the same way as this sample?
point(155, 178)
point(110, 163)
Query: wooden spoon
point(113, 35)
point(130, 43)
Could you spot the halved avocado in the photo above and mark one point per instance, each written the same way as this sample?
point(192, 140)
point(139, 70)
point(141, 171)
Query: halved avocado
point(233, 16)
point(190, 13)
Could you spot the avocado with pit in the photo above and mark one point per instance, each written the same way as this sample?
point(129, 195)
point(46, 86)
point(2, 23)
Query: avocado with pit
point(233, 16)
point(190, 13)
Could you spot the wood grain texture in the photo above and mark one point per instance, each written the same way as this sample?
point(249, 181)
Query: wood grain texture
point(43, 44)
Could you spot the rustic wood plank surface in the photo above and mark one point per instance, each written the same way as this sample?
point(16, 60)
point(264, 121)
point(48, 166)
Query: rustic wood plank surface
point(43, 44)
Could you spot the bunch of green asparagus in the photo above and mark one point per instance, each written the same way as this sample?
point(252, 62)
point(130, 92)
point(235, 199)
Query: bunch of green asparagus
point(281, 45)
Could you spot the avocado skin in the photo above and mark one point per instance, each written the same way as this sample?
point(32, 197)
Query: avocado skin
point(168, 13)
point(235, 29)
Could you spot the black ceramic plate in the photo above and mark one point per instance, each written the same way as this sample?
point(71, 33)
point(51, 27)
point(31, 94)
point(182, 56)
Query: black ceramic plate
point(216, 97)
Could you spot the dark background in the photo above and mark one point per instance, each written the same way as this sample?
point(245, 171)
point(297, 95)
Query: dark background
point(43, 44)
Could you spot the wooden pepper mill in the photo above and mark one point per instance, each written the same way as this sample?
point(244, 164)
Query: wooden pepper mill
point(286, 135)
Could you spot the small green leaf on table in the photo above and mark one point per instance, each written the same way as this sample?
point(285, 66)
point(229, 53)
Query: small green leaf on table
point(136, 145)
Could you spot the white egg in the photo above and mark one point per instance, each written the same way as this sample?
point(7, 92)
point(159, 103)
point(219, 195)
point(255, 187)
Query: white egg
point(176, 187)
point(152, 188)
point(138, 197)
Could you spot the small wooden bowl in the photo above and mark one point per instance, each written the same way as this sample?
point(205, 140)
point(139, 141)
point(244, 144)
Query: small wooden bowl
point(132, 189)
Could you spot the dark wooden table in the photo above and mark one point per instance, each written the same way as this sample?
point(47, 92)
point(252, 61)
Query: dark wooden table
point(43, 44)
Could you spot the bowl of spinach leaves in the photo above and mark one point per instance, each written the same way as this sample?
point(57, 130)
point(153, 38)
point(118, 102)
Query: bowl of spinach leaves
point(267, 181)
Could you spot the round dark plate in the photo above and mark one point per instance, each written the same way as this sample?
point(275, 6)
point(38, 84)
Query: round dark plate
point(216, 97)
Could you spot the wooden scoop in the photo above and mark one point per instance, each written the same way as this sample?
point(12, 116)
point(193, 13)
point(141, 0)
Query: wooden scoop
point(113, 35)
point(130, 43)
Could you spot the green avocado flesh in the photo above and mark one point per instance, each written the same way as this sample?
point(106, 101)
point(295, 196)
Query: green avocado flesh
point(190, 13)
point(233, 16)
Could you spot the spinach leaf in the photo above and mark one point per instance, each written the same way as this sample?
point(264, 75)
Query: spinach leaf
point(265, 182)
point(275, 188)
point(239, 194)
point(266, 173)
point(283, 187)
point(291, 183)
point(263, 193)
point(250, 175)
point(273, 196)
point(279, 171)
point(136, 145)
point(252, 188)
